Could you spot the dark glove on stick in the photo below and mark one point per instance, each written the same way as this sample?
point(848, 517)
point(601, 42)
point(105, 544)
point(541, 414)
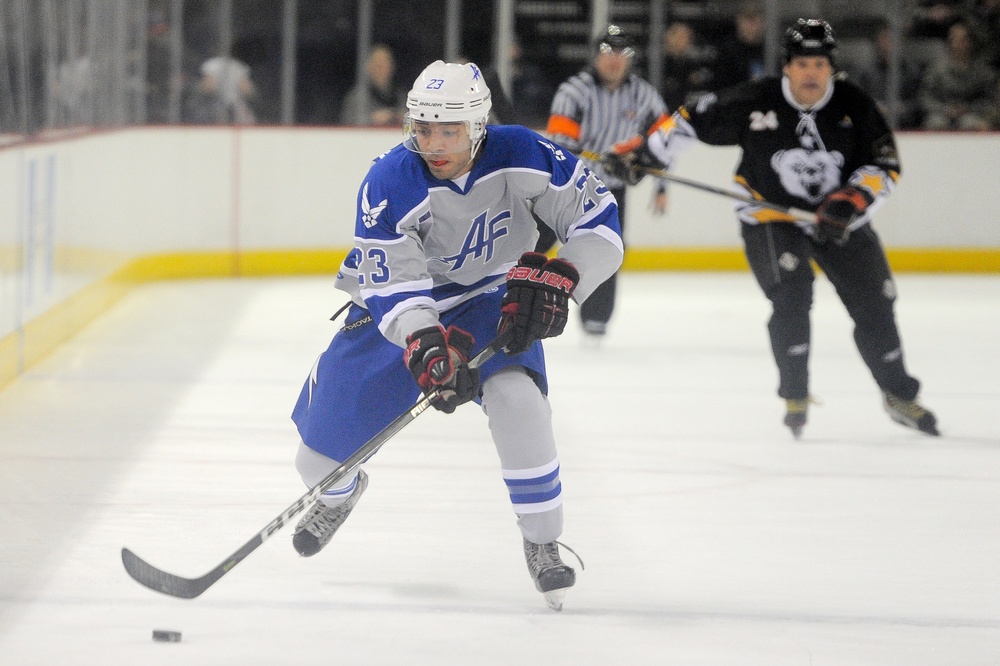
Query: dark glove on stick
point(836, 213)
point(622, 167)
point(629, 159)
point(439, 359)
point(536, 305)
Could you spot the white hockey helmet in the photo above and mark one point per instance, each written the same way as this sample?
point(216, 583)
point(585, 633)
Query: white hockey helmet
point(448, 92)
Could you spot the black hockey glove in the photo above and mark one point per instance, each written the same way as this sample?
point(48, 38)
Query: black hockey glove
point(629, 159)
point(621, 167)
point(439, 359)
point(837, 212)
point(536, 305)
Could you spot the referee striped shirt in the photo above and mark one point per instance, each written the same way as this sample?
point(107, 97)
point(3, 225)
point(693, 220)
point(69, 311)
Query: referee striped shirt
point(586, 116)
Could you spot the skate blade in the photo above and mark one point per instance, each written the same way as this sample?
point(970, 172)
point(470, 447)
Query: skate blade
point(930, 429)
point(554, 598)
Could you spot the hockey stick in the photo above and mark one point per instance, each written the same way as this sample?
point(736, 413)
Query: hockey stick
point(189, 588)
point(797, 213)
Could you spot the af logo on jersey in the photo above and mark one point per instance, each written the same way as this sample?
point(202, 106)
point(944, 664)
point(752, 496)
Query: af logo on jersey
point(370, 213)
point(481, 239)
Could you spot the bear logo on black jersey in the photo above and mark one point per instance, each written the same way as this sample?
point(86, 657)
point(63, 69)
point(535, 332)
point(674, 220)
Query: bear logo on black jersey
point(808, 174)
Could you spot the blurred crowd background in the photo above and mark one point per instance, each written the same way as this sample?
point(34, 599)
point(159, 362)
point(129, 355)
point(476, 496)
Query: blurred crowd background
point(67, 64)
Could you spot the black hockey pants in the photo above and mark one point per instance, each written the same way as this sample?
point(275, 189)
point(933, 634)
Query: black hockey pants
point(779, 255)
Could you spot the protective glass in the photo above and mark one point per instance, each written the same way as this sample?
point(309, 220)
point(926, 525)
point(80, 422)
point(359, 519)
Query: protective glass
point(426, 138)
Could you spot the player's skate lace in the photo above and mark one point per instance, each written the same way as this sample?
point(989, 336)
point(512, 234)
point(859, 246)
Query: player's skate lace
point(547, 568)
point(910, 413)
point(319, 525)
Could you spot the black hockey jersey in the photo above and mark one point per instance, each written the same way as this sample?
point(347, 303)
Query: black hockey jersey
point(791, 156)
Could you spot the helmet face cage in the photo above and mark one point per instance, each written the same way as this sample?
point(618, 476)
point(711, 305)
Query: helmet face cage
point(810, 37)
point(615, 39)
point(448, 93)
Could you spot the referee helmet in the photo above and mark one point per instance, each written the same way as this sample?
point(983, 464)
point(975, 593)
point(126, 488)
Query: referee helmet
point(615, 39)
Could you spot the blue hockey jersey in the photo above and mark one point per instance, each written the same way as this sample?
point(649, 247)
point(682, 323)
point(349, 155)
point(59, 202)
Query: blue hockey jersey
point(424, 245)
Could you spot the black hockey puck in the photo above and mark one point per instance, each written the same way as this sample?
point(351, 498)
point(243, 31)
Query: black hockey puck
point(166, 636)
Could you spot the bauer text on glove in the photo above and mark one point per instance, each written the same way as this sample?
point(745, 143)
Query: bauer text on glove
point(536, 305)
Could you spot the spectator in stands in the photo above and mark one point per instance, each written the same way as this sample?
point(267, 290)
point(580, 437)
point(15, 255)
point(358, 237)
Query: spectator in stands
point(157, 67)
point(73, 92)
point(873, 78)
point(986, 15)
point(742, 59)
point(687, 68)
point(958, 90)
point(530, 89)
point(933, 18)
point(226, 91)
point(162, 83)
point(994, 115)
point(530, 96)
point(386, 104)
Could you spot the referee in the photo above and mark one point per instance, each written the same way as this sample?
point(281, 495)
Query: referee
point(600, 106)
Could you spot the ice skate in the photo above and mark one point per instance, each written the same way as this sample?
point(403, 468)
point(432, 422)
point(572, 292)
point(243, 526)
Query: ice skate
point(910, 413)
point(795, 415)
point(552, 577)
point(319, 525)
point(594, 333)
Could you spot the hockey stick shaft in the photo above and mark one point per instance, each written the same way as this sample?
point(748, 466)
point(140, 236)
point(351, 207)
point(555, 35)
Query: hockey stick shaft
point(189, 588)
point(797, 213)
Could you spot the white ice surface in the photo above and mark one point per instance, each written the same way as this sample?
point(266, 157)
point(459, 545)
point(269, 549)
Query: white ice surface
point(709, 535)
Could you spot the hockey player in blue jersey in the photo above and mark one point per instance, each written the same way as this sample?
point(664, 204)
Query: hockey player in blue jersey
point(442, 261)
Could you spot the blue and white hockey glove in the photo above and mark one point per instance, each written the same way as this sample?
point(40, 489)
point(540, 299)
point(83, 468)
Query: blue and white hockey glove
point(439, 359)
point(536, 305)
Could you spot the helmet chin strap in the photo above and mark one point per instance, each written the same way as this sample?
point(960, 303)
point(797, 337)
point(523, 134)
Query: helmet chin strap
point(472, 155)
point(475, 146)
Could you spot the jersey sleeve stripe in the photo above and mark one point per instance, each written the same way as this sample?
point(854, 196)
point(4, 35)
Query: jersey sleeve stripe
point(386, 317)
point(374, 240)
point(401, 287)
point(605, 233)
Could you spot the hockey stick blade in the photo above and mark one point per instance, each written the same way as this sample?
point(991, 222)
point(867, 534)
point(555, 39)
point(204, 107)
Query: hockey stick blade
point(173, 585)
point(176, 586)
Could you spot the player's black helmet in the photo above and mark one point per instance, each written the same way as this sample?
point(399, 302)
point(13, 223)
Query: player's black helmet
point(810, 37)
point(615, 39)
